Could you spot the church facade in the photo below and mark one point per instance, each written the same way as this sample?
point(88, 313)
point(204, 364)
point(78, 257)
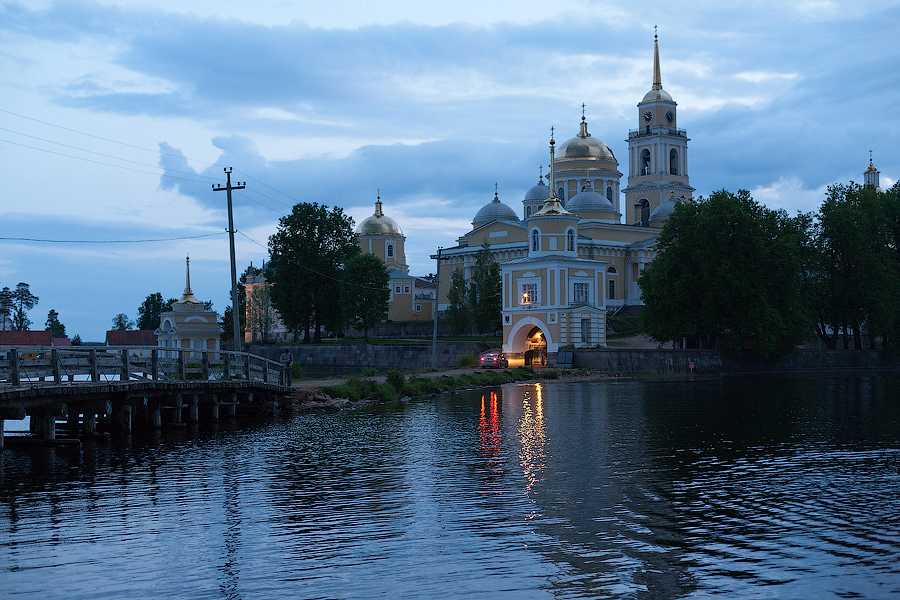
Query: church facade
point(576, 253)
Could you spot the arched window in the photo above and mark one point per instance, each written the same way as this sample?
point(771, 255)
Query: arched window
point(609, 193)
point(642, 212)
point(611, 272)
point(645, 162)
point(561, 194)
point(535, 240)
point(390, 251)
point(673, 161)
point(570, 240)
point(527, 211)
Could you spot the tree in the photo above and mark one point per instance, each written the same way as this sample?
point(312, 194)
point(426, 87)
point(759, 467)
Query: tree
point(458, 309)
point(728, 270)
point(150, 310)
point(56, 328)
point(23, 301)
point(858, 274)
point(260, 314)
point(76, 340)
point(308, 251)
point(121, 322)
point(6, 307)
point(486, 292)
point(365, 292)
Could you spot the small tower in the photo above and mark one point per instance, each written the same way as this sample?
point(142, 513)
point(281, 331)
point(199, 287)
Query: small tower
point(657, 153)
point(380, 235)
point(188, 323)
point(870, 175)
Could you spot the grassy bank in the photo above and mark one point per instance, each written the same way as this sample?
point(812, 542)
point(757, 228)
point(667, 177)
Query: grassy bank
point(398, 385)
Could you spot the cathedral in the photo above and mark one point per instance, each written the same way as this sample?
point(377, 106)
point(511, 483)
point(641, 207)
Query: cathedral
point(575, 252)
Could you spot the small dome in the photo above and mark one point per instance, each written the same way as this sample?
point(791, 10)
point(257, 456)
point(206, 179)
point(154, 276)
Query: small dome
point(585, 146)
point(494, 211)
point(378, 224)
point(662, 212)
point(587, 200)
point(538, 193)
point(654, 95)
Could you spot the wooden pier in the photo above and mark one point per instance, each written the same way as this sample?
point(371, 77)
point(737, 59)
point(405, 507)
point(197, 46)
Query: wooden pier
point(120, 388)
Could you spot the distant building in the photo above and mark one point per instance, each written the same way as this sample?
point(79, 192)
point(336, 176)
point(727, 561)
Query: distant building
point(137, 340)
point(27, 338)
point(189, 324)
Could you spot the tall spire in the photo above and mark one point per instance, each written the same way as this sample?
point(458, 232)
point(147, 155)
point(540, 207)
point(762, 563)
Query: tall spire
point(188, 297)
point(378, 212)
point(657, 78)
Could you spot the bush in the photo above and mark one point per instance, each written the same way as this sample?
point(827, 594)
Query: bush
point(395, 378)
point(466, 361)
point(370, 372)
point(551, 373)
point(387, 393)
point(296, 370)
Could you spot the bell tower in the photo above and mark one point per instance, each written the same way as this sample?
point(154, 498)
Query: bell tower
point(657, 153)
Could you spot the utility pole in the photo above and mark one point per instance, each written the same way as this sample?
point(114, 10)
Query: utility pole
point(434, 310)
point(235, 315)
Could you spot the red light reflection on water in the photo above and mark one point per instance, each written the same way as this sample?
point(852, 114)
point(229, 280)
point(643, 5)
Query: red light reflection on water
point(489, 442)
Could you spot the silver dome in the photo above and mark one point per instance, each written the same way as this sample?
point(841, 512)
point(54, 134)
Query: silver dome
point(379, 225)
point(494, 211)
point(662, 212)
point(587, 200)
point(659, 94)
point(585, 147)
point(538, 193)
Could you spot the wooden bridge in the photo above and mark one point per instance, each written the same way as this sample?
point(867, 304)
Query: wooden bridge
point(125, 387)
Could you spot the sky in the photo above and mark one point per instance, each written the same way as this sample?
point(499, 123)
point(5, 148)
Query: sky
point(117, 118)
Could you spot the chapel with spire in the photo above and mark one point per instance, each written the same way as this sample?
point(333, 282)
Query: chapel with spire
point(188, 323)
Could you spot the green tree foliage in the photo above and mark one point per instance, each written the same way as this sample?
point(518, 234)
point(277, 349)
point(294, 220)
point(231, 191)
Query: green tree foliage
point(365, 292)
point(56, 328)
point(76, 340)
point(458, 309)
point(121, 322)
point(857, 275)
point(6, 307)
point(23, 301)
point(728, 270)
point(150, 310)
point(485, 292)
point(308, 252)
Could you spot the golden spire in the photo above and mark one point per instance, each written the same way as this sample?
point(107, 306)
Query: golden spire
point(657, 78)
point(552, 166)
point(188, 297)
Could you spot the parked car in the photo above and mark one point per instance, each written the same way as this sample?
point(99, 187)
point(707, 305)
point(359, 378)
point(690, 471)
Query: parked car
point(493, 360)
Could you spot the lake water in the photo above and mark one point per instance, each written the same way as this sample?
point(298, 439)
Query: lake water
point(750, 488)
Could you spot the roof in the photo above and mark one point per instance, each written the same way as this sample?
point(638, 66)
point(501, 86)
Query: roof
point(494, 211)
point(140, 337)
point(26, 338)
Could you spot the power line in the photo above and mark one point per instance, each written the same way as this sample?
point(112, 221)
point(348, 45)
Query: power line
point(173, 239)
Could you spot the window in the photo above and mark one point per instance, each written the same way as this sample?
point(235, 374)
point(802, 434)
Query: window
point(643, 212)
point(570, 241)
point(390, 251)
point(611, 292)
point(561, 194)
point(527, 211)
point(405, 289)
point(609, 193)
point(645, 162)
point(529, 293)
point(581, 293)
point(535, 241)
point(673, 161)
point(396, 289)
point(585, 331)
point(418, 308)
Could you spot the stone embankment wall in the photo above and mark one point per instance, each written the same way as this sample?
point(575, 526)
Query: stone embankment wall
point(326, 359)
point(715, 362)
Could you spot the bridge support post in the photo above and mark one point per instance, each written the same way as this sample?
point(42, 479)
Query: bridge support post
point(45, 425)
point(154, 364)
point(95, 371)
point(179, 403)
point(125, 375)
point(122, 418)
point(194, 409)
point(89, 424)
point(155, 415)
point(231, 409)
point(214, 409)
point(205, 368)
point(14, 366)
point(54, 365)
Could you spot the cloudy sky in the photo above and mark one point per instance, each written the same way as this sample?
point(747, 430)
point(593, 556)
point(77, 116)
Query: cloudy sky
point(117, 117)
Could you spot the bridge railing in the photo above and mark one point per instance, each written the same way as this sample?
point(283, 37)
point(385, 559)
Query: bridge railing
point(97, 364)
